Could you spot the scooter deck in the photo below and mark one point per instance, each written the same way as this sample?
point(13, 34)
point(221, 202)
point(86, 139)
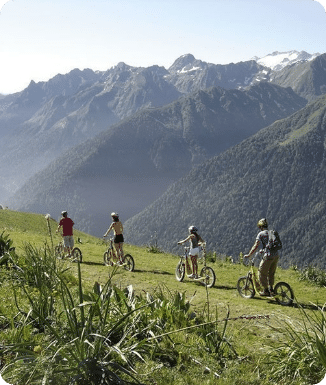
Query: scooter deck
point(121, 264)
point(198, 279)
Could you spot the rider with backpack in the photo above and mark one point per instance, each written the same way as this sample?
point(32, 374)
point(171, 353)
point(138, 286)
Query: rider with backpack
point(271, 244)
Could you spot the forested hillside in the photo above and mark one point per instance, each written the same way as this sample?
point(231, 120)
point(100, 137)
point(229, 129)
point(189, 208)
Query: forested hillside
point(279, 173)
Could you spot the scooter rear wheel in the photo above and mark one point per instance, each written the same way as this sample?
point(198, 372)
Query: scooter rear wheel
point(209, 275)
point(129, 262)
point(77, 255)
point(283, 294)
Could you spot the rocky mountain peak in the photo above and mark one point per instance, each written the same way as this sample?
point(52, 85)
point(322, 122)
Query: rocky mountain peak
point(182, 62)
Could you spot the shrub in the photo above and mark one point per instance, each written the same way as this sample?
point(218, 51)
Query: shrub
point(68, 336)
point(7, 251)
point(300, 357)
point(313, 275)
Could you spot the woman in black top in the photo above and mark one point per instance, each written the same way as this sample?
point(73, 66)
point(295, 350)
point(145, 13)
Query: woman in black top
point(195, 240)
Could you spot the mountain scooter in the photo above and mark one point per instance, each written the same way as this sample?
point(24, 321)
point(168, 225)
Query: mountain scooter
point(207, 276)
point(76, 254)
point(249, 285)
point(110, 258)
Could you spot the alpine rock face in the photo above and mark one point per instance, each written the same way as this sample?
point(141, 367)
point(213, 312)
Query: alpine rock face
point(188, 74)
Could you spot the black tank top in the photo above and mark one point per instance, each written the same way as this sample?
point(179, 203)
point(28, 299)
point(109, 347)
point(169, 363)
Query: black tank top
point(194, 241)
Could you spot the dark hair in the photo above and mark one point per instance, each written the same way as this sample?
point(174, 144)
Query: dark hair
point(115, 219)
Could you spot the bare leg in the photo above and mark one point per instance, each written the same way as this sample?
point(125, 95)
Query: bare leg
point(119, 250)
point(194, 264)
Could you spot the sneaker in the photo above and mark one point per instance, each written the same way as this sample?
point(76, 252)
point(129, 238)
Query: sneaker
point(265, 293)
point(191, 276)
point(272, 292)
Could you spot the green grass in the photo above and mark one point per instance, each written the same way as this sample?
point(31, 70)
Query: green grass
point(154, 274)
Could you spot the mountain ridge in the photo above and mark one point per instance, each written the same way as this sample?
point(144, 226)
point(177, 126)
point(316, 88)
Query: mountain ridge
point(47, 118)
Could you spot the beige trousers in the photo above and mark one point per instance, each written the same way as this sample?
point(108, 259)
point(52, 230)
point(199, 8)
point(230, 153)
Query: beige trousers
point(266, 271)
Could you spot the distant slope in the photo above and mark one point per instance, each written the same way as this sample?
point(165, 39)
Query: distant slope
point(47, 118)
point(307, 78)
point(128, 166)
point(279, 173)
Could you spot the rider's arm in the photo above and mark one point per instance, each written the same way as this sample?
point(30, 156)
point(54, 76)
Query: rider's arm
point(109, 229)
point(253, 249)
point(184, 240)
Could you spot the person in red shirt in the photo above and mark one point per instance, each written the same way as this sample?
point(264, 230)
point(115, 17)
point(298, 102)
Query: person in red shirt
point(67, 232)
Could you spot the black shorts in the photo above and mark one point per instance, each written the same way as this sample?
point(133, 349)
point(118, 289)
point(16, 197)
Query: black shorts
point(118, 238)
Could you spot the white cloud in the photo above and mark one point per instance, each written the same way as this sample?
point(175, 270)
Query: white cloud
point(323, 3)
point(2, 3)
point(3, 382)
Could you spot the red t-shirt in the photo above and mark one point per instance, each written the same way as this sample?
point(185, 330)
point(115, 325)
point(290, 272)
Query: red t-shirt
point(67, 225)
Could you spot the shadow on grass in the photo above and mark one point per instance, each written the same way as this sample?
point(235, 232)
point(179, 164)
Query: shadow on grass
point(153, 272)
point(301, 305)
point(224, 287)
point(215, 287)
point(93, 263)
point(309, 306)
point(295, 305)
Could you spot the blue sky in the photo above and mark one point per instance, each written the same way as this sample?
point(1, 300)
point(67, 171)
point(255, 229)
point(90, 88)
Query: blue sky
point(40, 38)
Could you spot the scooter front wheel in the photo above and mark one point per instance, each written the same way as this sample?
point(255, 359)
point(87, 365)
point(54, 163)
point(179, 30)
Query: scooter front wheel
point(245, 287)
point(58, 251)
point(107, 259)
point(180, 272)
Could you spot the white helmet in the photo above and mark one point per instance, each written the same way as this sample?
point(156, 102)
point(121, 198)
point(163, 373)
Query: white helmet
point(193, 229)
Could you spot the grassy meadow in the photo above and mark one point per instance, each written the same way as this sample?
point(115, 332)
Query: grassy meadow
point(68, 323)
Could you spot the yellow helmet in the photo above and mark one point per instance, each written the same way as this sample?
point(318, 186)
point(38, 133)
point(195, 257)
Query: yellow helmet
point(262, 223)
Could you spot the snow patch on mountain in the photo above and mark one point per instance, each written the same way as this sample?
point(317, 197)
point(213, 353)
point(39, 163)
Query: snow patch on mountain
point(278, 60)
